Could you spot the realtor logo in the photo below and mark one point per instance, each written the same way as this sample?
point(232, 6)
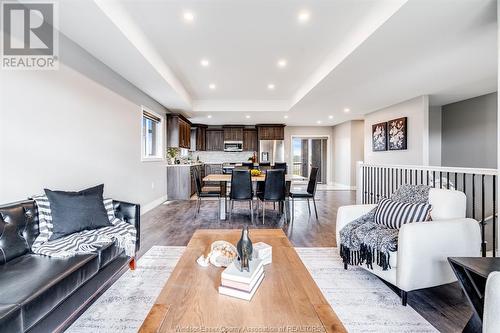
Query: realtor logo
point(29, 35)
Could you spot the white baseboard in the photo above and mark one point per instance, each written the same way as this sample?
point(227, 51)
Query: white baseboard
point(344, 187)
point(153, 204)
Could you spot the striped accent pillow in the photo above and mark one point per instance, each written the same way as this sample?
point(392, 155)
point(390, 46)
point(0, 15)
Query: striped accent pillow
point(45, 226)
point(394, 214)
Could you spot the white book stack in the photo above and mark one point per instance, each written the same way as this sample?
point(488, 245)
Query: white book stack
point(263, 252)
point(242, 284)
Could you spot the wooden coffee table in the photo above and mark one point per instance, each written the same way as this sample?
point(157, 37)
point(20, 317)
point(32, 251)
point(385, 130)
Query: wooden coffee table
point(288, 300)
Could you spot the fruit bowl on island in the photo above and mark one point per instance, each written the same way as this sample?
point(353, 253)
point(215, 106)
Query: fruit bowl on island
point(255, 172)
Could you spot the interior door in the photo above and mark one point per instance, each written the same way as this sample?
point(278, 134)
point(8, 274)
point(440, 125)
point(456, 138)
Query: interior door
point(308, 153)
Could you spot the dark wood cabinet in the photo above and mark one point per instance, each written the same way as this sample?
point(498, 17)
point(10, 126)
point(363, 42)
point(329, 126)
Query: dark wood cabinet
point(271, 132)
point(250, 142)
point(198, 137)
point(178, 132)
point(233, 133)
point(214, 139)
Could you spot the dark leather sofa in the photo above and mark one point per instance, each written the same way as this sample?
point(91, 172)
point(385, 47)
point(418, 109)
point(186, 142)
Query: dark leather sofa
point(44, 294)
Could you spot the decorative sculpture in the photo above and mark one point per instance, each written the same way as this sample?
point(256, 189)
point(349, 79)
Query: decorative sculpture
point(245, 249)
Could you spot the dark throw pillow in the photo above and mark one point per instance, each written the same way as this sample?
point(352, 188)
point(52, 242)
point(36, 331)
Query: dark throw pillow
point(394, 214)
point(76, 211)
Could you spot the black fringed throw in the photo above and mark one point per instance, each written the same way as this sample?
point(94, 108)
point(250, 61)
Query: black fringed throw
point(363, 241)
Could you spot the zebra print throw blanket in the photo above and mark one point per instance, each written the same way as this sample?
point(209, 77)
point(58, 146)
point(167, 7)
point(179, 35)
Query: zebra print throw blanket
point(363, 241)
point(83, 242)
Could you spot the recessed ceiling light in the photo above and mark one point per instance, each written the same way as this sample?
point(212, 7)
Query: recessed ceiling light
point(247, 116)
point(330, 117)
point(205, 62)
point(188, 16)
point(212, 86)
point(347, 110)
point(286, 117)
point(303, 16)
point(271, 86)
point(318, 122)
point(282, 63)
point(209, 116)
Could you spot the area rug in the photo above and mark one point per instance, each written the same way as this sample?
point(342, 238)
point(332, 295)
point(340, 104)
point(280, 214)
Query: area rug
point(362, 302)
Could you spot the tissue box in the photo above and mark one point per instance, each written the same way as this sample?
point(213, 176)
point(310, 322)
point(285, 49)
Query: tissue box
point(263, 252)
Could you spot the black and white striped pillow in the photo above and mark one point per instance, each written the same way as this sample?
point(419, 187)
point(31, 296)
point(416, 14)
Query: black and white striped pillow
point(45, 225)
point(394, 214)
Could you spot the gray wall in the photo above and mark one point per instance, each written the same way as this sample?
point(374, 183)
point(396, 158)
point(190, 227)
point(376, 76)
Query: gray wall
point(469, 133)
point(435, 124)
point(75, 127)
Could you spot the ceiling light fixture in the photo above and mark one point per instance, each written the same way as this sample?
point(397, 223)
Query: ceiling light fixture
point(286, 117)
point(318, 122)
point(247, 116)
point(271, 86)
point(347, 110)
point(188, 16)
point(282, 63)
point(330, 117)
point(212, 86)
point(209, 116)
point(303, 16)
point(205, 62)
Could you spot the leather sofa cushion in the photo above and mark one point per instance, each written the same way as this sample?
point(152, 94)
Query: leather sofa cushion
point(108, 253)
point(10, 318)
point(39, 283)
point(17, 230)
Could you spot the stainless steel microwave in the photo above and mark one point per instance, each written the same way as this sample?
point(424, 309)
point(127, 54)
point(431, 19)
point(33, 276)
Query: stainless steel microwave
point(233, 145)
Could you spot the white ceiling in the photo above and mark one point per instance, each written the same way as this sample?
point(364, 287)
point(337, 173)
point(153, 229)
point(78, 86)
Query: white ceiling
point(360, 54)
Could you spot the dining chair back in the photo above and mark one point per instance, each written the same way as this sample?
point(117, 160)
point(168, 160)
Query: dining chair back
point(249, 165)
point(241, 185)
point(274, 185)
point(280, 166)
point(313, 181)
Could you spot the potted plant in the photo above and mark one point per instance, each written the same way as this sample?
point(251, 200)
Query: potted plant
point(172, 154)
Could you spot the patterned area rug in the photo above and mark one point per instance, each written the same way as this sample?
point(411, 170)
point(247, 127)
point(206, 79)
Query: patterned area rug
point(361, 300)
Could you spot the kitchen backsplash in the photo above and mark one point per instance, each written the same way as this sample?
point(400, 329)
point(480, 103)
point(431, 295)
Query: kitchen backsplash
point(221, 156)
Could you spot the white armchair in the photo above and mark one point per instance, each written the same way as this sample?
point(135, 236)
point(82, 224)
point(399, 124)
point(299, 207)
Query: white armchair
point(423, 247)
point(491, 317)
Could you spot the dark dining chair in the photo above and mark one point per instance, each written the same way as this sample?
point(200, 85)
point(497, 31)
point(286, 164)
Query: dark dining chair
point(274, 190)
point(280, 166)
point(249, 165)
point(204, 194)
point(309, 194)
point(241, 189)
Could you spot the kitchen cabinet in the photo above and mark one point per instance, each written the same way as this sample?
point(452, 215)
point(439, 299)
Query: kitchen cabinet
point(181, 183)
point(271, 132)
point(214, 139)
point(250, 142)
point(233, 133)
point(198, 137)
point(201, 132)
point(178, 132)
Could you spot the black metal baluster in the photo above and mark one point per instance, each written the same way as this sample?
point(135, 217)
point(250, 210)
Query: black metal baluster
point(494, 216)
point(400, 176)
point(422, 177)
point(416, 177)
point(456, 182)
point(433, 178)
point(427, 177)
point(483, 226)
point(406, 176)
point(411, 175)
point(440, 179)
point(371, 182)
point(474, 196)
point(465, 182)
point(448, 180)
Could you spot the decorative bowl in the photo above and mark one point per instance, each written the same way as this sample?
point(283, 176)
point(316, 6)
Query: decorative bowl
point(222, 253)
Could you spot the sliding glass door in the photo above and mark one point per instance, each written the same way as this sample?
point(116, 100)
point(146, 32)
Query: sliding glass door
point(308, 153)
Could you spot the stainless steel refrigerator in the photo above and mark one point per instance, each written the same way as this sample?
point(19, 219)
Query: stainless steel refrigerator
point(272, 151)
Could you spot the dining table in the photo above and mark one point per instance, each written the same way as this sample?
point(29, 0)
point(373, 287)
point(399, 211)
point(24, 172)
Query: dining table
point(224, 179)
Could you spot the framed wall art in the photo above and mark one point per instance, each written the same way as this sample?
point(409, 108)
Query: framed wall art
point(397, 134)
point(379, 137)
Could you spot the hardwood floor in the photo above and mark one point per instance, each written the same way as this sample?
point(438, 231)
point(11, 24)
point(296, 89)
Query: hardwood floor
point(173, 223)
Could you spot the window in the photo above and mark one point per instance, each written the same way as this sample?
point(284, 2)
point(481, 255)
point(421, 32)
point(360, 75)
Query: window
point(152, 136)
